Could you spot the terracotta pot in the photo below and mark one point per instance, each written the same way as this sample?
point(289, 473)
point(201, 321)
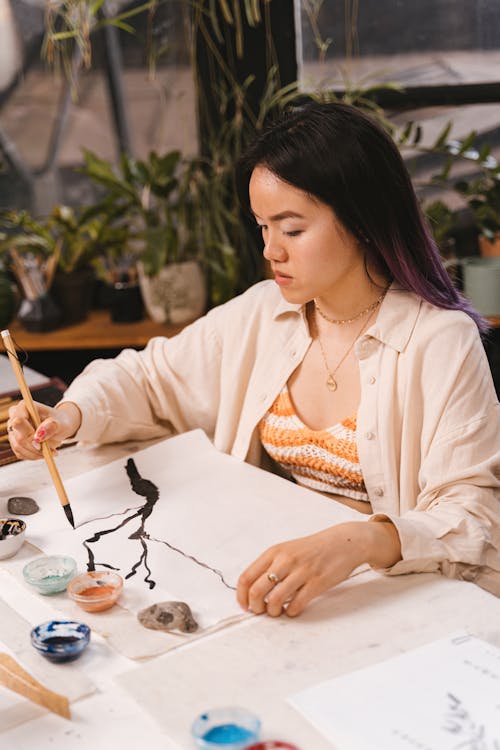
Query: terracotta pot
point(489, 249)
point(176, 295)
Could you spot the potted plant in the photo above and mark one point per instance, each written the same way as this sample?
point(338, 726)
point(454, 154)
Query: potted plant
point(482, 195)
point(57, 253)
point(158, 201)
point(26, 245)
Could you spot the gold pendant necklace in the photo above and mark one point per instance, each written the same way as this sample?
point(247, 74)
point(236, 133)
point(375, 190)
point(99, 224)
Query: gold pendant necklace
point(331, 383)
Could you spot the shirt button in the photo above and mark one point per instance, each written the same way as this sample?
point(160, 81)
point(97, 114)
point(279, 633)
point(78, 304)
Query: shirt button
point(263, 396)
point(372, 380)
point(293, 353)
point(378, 491)
point(369, 435)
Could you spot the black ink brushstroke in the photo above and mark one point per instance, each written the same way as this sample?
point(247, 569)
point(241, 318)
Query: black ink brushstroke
point(195, 560)
point(105, 518)
point(147, 489)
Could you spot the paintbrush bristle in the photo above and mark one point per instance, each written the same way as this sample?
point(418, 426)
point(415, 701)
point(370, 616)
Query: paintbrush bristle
point(69, 514)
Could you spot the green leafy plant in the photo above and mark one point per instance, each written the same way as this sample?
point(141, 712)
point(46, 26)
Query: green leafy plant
point(82, 236)
point(480, 192)
point(73, 239)
point(482, 195)
point(150, 198)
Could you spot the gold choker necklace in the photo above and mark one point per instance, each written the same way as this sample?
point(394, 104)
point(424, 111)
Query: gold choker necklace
point(356, 317)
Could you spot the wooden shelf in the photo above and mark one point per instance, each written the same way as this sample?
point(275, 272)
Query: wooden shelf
point(97, 332)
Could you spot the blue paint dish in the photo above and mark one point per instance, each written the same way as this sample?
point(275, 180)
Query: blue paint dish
point(229, 728)
point(60, 640)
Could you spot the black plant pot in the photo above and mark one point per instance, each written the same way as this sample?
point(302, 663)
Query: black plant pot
point(72, 293)
point(39, 315)
point(126, 305)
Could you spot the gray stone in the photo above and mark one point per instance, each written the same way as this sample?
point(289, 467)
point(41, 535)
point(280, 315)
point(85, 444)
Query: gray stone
point(168, 616)
point(22, 506)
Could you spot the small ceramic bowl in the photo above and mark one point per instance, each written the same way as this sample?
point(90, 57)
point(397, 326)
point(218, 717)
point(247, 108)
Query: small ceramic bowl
point(12, 532)
point(60, 640)
point(96, 590)
point(231, 728)
point(50, 574)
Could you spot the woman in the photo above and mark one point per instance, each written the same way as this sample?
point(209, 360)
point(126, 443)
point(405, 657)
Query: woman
point(359, 371)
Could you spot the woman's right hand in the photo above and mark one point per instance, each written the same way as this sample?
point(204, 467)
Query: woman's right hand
point(57, 424)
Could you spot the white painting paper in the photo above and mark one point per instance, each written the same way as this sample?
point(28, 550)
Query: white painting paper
point(442, 696)
point(203, 518)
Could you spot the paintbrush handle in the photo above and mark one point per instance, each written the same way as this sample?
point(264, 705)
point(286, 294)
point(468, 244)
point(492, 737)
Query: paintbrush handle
point(35, 418)
point(14, 677)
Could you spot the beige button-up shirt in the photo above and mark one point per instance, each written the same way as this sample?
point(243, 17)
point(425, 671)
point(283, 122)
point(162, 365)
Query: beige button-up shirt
point(428, 427)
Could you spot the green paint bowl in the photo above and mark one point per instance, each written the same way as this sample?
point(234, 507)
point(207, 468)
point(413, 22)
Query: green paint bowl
point(51, 574)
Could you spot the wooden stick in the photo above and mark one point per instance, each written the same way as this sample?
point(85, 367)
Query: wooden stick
point(23, 275)
point(51, 265)
point(35, 418)
point(13, 676)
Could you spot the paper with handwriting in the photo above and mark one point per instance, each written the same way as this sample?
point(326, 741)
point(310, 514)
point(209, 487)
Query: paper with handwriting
point(442, 696)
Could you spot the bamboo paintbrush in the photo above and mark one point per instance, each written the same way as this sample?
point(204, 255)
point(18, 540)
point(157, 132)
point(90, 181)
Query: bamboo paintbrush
point(13, 676)
point(47, 453)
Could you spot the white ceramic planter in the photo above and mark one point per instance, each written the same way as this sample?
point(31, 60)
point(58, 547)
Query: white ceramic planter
point(176, 295)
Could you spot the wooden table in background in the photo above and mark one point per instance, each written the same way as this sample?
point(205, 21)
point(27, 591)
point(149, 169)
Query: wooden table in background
point(97, 332)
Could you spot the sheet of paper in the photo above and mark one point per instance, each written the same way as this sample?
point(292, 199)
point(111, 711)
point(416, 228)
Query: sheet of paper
point(15, 641)
point(8, 380)
point(442, 696)
point(208, 518)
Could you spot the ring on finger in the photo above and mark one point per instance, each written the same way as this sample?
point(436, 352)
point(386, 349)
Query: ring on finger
point(273, 577)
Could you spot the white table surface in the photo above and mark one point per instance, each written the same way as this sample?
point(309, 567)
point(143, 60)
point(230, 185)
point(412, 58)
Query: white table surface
point(257, 663)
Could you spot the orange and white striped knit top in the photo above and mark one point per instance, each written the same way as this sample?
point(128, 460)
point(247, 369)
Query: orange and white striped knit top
point(325, 460)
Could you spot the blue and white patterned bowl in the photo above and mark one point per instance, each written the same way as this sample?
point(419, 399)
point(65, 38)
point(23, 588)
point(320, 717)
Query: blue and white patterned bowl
point(60, 640)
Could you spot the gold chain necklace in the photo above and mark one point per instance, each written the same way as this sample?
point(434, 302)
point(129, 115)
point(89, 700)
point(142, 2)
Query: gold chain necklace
point(371, 307)
point(331, 383)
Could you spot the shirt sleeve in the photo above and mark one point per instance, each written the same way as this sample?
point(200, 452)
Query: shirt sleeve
point(170, 387)
point(454, 526)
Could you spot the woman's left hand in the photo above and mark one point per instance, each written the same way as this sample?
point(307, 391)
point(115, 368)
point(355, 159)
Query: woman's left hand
point(297, 571)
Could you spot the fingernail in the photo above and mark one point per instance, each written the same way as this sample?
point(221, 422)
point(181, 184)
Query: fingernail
point(40, 434)
point(36, 445)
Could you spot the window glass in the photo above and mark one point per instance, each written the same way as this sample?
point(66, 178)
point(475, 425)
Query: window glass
point(428, 42)
point(45, 138)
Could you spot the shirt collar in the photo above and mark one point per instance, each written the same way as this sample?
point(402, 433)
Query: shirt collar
point(395, 321)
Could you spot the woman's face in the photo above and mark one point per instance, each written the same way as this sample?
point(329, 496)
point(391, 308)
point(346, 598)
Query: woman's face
point(311, 254)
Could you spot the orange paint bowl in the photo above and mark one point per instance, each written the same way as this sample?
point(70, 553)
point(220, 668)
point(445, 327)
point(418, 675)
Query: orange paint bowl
point(96, 590)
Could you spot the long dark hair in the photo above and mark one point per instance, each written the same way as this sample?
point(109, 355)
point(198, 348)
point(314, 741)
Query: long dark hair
point(342, 157)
